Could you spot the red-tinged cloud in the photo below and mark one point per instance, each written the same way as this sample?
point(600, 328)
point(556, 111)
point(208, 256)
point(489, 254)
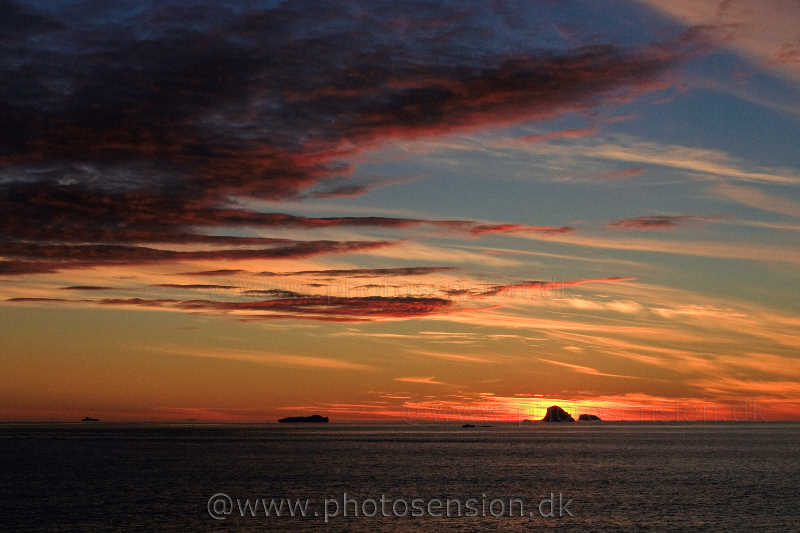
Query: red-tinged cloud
point(194, 286)
point(106, 253)
point(35, 300)
point(86, 288)
point(653, 222)
point(62, 257)
point(344, 190)
point(511, 91)
point(149, 141)
point(356, 189)
point(61, 215)
point(318, 318)
point(548, 285)
point(366, 272)
point(348, 272)
point(283, 304)
point(518, 228)
point(21, 268)
point(303, 307)
point(143, 302)
point(219, 272)
point(372, 306)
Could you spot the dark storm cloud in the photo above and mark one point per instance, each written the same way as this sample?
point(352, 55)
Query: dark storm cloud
point(123, 125)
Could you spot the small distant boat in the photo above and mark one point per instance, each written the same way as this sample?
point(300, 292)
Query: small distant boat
point(90, 419)
point(298, 419)
point(468, 426)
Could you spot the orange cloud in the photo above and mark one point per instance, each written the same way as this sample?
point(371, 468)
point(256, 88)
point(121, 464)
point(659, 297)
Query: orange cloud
point(431, 380)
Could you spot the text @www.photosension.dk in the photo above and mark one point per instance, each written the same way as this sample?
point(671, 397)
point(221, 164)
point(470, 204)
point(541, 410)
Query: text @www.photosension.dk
point(222, 506)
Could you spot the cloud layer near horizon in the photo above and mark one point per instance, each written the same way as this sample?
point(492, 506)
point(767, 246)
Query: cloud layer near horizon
point(284, 304)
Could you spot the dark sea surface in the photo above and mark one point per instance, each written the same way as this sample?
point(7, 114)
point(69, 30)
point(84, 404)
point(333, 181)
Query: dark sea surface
point(620, 477)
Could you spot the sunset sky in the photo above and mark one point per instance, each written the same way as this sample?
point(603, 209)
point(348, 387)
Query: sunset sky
point(399, 210)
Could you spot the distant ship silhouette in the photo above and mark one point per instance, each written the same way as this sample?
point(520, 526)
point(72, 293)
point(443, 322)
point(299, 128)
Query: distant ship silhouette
point(90, 419)
point(296, 419)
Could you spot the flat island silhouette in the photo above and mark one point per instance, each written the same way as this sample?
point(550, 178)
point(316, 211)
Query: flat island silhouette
point(314, 419)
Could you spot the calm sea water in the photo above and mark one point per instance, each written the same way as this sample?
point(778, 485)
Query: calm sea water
point(637, 477)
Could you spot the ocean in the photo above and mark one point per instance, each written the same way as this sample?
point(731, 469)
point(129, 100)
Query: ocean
point(400, 477)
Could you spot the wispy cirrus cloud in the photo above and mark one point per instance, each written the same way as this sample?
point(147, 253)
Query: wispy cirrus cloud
point(560, 134)
point(584, 369)
point(262, 358)
point(619, 175)
point(724, 250)
point(430, 380)
point(752, 197)
point(765, 31)
point(697, 160)
point(458, 357)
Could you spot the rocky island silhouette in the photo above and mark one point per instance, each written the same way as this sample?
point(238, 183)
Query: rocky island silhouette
point(557, 414)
